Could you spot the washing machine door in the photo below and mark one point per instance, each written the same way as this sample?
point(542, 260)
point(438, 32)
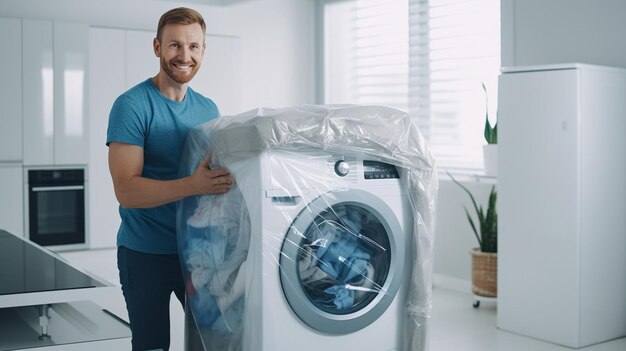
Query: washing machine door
point(342, 261)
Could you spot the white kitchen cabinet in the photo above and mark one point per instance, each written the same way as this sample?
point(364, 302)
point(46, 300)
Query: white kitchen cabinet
point(71, 53)
point(37, 84)
point(54, 73)
point(561, 203)
point(11, 198)
point(107, 82)
point(11, 90)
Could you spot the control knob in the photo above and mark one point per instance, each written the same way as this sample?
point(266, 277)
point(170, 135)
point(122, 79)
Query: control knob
point(342, 168)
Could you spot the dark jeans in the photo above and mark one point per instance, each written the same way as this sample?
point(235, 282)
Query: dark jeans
point(148, 281)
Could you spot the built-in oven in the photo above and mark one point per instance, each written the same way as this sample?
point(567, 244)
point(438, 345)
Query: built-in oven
point(55, 207)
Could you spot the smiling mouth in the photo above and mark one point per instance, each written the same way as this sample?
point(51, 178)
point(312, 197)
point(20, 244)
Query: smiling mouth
point(182, 67)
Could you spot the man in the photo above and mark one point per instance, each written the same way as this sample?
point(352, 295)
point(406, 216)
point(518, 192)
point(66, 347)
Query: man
point(148, 125)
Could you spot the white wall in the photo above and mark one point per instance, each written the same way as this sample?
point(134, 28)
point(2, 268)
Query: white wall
point(454, 236)
point(557, 31)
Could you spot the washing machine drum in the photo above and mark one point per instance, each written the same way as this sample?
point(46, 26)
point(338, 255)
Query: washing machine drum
point(342, 261)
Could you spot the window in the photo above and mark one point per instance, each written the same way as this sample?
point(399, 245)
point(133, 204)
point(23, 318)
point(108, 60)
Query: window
point(366, 52)
point(426, 57)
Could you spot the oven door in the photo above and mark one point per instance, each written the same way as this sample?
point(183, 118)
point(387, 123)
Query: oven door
point(56, 214)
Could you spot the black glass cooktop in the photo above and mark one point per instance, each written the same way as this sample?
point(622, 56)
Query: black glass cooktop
point(26, 268)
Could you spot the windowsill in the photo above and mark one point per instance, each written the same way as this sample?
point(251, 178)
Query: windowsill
point(467, 175)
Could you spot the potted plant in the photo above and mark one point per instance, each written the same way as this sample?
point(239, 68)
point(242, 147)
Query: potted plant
point(485, 257)
point(490, 151)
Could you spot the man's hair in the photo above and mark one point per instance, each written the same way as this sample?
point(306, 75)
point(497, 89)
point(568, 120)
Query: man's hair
point(180, 15)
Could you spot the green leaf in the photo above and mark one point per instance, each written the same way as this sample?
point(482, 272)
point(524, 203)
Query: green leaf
point(487, 220)
point(471, 222)
point(491, 134)
point(494, 132)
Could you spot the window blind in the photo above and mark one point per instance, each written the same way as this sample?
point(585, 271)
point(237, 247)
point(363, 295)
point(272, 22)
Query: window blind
point(426, 57)
point(454, 47)
point(366, 52)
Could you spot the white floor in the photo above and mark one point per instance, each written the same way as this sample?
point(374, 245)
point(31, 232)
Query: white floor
point(455, 324)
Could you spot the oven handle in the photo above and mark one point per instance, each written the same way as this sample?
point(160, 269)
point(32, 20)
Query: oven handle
point(58, 188)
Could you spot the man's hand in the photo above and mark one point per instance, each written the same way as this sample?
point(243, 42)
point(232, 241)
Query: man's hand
point(211, 181)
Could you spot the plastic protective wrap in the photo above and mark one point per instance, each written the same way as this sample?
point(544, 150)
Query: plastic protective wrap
point(312, 249)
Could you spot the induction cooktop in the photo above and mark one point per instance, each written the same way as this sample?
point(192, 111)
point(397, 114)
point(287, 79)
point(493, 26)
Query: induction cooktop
point(27, 269)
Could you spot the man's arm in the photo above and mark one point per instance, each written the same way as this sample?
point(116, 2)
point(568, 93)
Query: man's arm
point(134, 191)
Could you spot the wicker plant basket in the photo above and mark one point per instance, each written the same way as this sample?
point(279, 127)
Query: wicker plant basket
point(484, 273)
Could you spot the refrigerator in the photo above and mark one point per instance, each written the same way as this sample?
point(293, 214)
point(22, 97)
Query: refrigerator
point(562, 203)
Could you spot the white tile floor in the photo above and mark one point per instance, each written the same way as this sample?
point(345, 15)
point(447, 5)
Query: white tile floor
point(455, 324)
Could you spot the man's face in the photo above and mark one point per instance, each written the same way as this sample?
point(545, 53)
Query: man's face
point(180, 51)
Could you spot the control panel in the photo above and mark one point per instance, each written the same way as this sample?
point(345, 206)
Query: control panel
point(379, 170)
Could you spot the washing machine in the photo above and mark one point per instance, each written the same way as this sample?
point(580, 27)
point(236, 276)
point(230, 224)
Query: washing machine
point(310, 251)
point(328, 262)
point(313, 248)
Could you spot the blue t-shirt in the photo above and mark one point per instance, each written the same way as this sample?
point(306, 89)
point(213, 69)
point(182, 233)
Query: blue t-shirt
point(144, 117)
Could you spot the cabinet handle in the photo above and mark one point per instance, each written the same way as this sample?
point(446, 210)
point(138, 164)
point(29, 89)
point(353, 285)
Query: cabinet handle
point(58, 188)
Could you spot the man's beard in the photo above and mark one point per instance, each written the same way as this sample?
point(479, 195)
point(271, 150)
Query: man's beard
point(177, 75)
